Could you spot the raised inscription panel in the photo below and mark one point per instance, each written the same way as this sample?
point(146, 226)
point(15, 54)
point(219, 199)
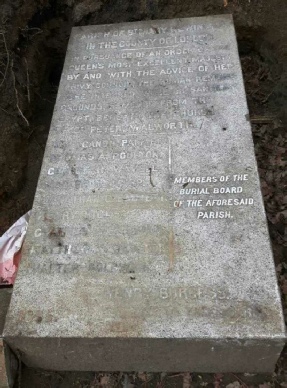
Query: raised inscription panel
point(148, 220)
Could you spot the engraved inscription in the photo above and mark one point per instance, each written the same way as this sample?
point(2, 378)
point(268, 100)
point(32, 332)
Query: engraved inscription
point(133, 97)
point(208, 194)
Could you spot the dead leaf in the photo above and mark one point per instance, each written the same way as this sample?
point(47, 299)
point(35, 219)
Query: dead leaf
point(105, 381)
point(236, 384)
point(218, 379)
point(186, 380)
point(142, 376)
point(126, 382)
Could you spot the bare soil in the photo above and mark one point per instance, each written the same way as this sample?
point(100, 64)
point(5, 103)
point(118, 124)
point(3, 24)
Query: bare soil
point(33, 40)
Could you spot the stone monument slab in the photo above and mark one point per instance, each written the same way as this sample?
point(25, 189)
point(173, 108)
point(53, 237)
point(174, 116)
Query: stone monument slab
point(148, 247)
point(8, 362)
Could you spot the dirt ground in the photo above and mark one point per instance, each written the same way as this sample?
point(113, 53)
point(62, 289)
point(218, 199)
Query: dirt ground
point(33, 39)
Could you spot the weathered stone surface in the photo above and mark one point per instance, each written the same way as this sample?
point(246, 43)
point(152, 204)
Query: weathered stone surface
point(8, 366)
point(8, 363)
point(3, 376)
point(148, 247)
